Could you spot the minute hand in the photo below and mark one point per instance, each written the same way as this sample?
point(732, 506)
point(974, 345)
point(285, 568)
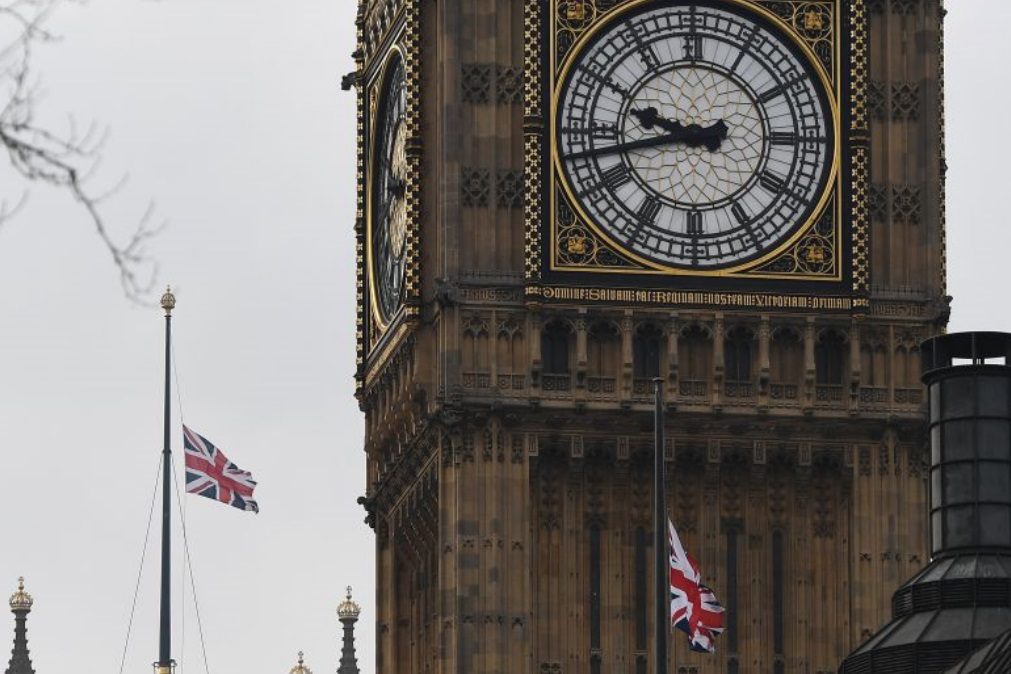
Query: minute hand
point(665, 139)
point(694, 136)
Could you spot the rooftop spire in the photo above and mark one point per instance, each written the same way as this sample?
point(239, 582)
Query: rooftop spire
point(300, 668)
point(348, 613)
point(21, 605)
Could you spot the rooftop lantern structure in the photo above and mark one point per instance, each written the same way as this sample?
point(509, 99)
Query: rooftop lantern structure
point(963, 598)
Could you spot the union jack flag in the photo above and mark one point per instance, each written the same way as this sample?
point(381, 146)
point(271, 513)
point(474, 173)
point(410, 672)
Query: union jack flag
point(209, 473)
point(694, 608)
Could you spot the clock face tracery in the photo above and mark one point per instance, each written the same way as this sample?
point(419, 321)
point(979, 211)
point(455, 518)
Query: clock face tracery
point(694, 137)
point(389, 195)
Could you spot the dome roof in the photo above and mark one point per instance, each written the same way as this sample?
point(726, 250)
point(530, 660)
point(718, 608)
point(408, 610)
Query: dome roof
point(21, 600)
point(348, 609)
point(300, 668)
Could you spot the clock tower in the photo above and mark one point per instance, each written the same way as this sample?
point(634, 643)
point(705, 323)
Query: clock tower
point(561, 200)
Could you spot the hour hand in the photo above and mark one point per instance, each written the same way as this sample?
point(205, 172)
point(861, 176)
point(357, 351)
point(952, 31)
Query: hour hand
point(710, 137)
point(650, 117)
point(396, 187)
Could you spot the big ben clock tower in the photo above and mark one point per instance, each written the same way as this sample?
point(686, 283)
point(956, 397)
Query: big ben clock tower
point(560, 200)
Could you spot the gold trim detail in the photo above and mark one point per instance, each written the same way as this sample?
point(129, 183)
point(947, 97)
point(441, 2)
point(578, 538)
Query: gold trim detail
point(860, 161)
point(360, 89)
point(815, 254)
point(814, 21)
point(700, 298)
point(412, 67)
point(532, 131)
point(579, 245)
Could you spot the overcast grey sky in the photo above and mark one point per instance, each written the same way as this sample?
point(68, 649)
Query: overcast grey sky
point(229, 114)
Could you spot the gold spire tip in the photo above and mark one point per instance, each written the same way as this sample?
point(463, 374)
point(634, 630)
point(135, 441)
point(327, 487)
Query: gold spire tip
point(168, 301)
point(348, 609)
point(21, 600)
point(300, 668)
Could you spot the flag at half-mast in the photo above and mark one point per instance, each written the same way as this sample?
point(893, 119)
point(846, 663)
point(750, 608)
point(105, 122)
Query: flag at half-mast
point(694, 608)
point(209, 473)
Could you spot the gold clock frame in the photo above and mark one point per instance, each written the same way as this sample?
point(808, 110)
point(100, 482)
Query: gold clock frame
point(384, 36)
point(543, 190)
point(394, 56)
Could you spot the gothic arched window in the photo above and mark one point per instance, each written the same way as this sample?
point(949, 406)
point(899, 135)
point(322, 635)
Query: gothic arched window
point(830, 358)
point(603, 349)
point(555, 348)
point(695, 353)
point(646, 346)
point(737, 355)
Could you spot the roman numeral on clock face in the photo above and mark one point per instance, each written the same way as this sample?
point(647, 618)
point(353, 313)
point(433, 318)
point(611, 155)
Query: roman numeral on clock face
point(695, 226)
point(772, 182)
point(740, 214)
point(693, 47)
point(783, 138)
point(648, 210)
point(616, 176)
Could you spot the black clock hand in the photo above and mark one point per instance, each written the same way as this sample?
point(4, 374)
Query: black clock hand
point(665, 139)
point(693, 136)
point(710, 137)
point(396, 187)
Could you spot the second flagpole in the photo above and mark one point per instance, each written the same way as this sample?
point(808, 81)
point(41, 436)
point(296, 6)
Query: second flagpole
point(165, 664)
point(662, 568)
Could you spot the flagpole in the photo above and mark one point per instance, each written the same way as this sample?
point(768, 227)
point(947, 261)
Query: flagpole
point(165, 664)
point(662, 568)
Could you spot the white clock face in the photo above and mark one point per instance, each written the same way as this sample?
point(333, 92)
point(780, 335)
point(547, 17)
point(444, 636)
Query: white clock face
point(389, 205)
point(694, 136)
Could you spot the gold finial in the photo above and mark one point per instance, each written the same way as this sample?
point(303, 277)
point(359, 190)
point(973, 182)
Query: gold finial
point(300, 668)
point(21, 600)
point(348, 609)
point(168, 301)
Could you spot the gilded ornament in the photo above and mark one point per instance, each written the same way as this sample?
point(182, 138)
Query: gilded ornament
point(301, 667)
point(576, 11)
point(21, 600)
point(348, 609)
point(577, 245)
point(813, 20)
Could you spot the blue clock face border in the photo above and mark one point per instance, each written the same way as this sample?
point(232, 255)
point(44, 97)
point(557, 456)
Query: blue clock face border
point(624, 185)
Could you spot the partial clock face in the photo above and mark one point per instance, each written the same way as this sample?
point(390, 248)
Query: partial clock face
point(389, 192)
point(694, 135)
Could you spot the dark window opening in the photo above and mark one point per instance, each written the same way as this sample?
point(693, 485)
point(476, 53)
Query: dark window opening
point(646, 352)
point(830, 359)
point(603, 347)
point(555, 348)
point(737, 355)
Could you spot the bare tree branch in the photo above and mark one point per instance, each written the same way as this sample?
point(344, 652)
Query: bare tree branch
point(66, 160)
